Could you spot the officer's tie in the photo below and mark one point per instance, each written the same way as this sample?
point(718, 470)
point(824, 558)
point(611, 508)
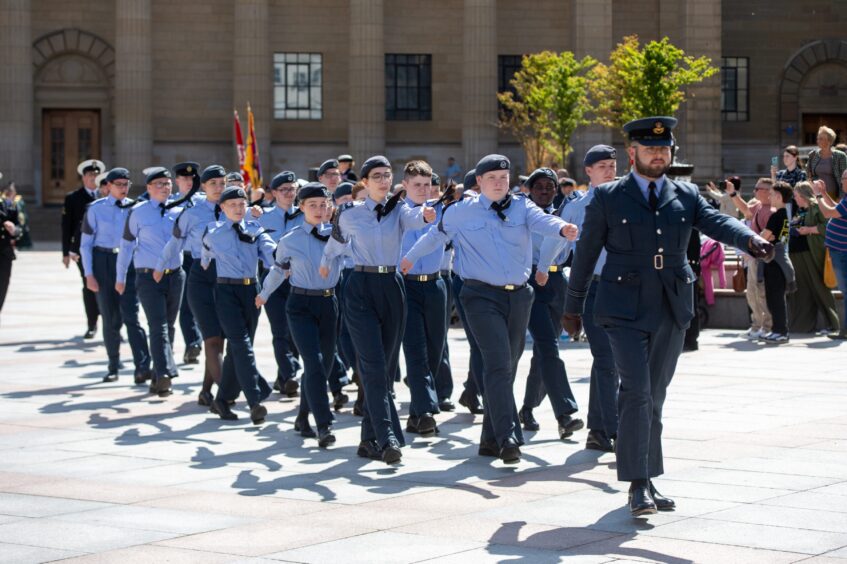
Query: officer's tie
point(314, 233)
point(652, 197)
point(502, 206)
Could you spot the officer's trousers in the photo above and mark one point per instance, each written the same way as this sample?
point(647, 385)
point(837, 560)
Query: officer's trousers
point(89, 300)
point(645, 361)
point(444, 375)
point(313, 321)
point(498, 320)
point(238, 315)
point(187, 324)
point(6, 257)
point(161, 305)
point(201, 298)
point(603, 387)
point(283, 345)
point(423, 341)
point(474, 381)
point(375, 313)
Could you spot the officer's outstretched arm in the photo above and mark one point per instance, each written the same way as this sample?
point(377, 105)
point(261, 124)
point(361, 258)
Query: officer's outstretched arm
point(720, 227)
point(592, 239)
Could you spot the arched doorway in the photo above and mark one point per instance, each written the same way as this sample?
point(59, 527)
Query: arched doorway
point(74, 72)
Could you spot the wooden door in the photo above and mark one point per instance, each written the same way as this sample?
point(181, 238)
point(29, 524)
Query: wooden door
point(68, 137)
point(812, 122)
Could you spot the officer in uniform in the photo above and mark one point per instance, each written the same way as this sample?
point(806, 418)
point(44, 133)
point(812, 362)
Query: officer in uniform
point(311, 307)
point(148, 228)
point(102, 228)
point(200, 286)
point(10, 231)
point(73, 210)
point(495, 293)
point(545, 324)
point(236, 244)
point(600, 167)
point(374, 299)
point(345, 167)
point(329, 175)
point(278, 221)
point(187, 179)
point(645, 293)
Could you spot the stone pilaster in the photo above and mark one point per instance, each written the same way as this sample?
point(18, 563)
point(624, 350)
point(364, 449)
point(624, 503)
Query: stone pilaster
point(16, 96)
point(479, 81)
point(366, 116)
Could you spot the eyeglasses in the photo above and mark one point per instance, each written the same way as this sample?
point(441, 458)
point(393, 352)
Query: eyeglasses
point(161, 183)
point(332, 174)
point(380, 177)
point(123, 184)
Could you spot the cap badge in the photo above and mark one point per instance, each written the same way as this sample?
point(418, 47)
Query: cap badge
point(503, 164)
point(188, 168)
point(659, 128)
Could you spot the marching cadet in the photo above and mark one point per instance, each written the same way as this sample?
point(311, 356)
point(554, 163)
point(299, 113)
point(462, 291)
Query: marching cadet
point(236, 244)
point(495, 294)
point(234, 178)
point(278, 221)
point(426, 309)
point(374, 308)
point(73, 210)
point(600, 167)
point(645, 293)
point(444, 376)
point(186, 178)
point(311, 307)
point(545, 324)
point(147, 230)
point(345, 167)
point(329, 175)
point(200, 286)
point(102, 228)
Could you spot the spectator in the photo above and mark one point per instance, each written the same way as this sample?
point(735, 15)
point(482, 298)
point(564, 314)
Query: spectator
point(826, 163)
point(792, 173)
point(16, 201)
point(836, 240)
point(724, 201)
point(712, 263)
point(807, 253)
point(778, 273)
point(453, 172)
point(842, 147)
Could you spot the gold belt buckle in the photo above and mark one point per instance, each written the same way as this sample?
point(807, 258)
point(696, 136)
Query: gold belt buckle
point(247, 281)
point(382, 269)
point(658, 262)
point(509, 287)
point(554, 268)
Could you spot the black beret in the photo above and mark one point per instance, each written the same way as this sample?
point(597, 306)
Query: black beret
point(213, 171)
point(492, 162)
point(567, 182)
point(599, 153)
point(651, 131)
point(540, 173)
point(372, 163)
point(157, 172)
point(326, 165)
point(232, 193)
point(117, 174)
point(436, 180)
point(470, 179)
point(188, 168)
point(234, 176)
point(285, 177)
point(343, 189)
point(345, 159)
point(312, 190)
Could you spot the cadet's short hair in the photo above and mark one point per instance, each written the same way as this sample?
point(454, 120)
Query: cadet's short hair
point(417, 168)
point(784, 189)
point(358, 187)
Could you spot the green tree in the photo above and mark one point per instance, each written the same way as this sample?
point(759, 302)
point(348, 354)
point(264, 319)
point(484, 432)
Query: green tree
point(568, 100)
point(644, 81)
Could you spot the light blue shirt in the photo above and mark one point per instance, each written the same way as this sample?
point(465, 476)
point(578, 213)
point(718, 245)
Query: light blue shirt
point(102, 226)
point(556, 252)
point(280, 221)
point(233, 257)
point(371, 242)
point(537, 239)
point(146, 232)
point(489, 249)
point(188, 232)
point(430, 263)
point(644, 185)
point(303, 252)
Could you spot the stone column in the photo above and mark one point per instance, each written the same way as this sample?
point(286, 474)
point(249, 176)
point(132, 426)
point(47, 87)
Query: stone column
point(252, 76)
point(592, 33)
point(366, 113)
point(133, 86)
point(479, 81)
point(16, 97)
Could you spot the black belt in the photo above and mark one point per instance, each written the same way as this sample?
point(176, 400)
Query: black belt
point(656, 261)
point(375, 269)
point(107, 250)
point(152, 270)
point(326, 292)
point(237, 281)
point(507, 287)
point(595, 278)
point(446, 273)
point(422, 277)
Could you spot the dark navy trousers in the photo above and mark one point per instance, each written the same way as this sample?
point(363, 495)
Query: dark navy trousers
point(187, 324)
point(286, 363)
point(603, 389)
point(423, 341)
point(161, 303)
point(444, 374)
point(474, 381)
point(201, 297)
point(375, 313)
point(345, 342)
point(135, 333)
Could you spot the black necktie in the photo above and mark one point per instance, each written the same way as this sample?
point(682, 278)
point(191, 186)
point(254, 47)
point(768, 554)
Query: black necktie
point(162, 209)
point(127, 204)
point(314, 233)
point(501, 206)
point(378, 209)
point(243, 235)
point(290, 216)
point(652, 197)
point(217, 212)
point(382, 211)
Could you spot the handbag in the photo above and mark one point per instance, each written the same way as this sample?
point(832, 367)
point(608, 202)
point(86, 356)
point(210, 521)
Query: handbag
point(739, 279)
point(829, 272)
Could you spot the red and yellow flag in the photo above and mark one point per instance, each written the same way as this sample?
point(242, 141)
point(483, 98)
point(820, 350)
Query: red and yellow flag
point(252, 166)
point(239, 144)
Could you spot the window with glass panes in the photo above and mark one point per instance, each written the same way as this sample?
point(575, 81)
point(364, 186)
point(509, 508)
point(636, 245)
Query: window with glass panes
point(735, 84)
point(408, 87)
point(298, 86)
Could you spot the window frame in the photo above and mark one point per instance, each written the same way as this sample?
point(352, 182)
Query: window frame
point(737, 87)
point(288, 98)
point(405, 102)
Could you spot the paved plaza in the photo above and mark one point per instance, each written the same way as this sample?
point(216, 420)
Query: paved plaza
point(755, 455)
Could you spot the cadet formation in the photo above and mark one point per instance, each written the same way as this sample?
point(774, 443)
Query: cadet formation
point(347, 283)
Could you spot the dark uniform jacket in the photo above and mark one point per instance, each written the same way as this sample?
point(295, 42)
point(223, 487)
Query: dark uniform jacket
point(8, 213)
point(73, 211)
point(646, 261)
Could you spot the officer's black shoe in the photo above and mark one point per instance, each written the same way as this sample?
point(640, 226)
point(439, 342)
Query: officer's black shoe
point(640, 500)
point(152, 386)
point(258, 413)
point(424, 425)
point(163, 386)
point(325, 437)
point(205, 398)
point(192, 355)
point(222, 410)
point(446, 404)
point(339, 400)
point(111, 377)
point(510, 453)
point(391, 453)
point(290, 387)
point(471, 401)
point(527, 419)
point(142, 376)
point(357, 407)
point(569, 425)
point(277, 385)
point(662, 503)
point(369, 449)
point(301, 425)
point(89, 334)
point(597, 440)
point(489, 448)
